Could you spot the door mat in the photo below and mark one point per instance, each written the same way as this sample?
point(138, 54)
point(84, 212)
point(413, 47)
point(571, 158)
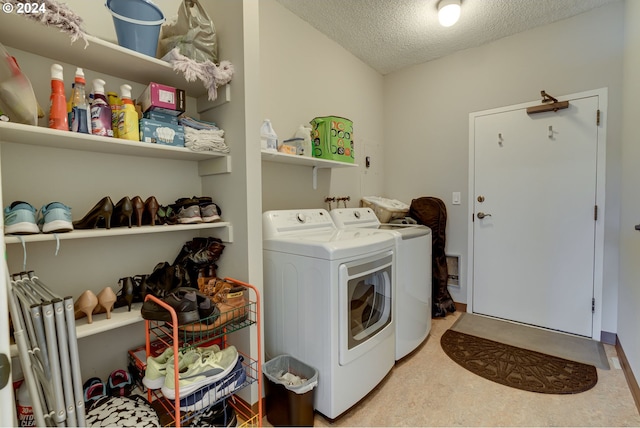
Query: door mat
point(561, 345)
point(516, 367)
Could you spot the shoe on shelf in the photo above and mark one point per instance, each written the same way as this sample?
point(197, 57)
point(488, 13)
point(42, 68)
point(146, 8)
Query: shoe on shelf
point(157, 366)
point(125, 294)
point(219, 415)
point(98, 216)
point(209, 368)
point(20, 219)
point(208, 395)
point(185, 306)
point(189, 214)
point(122, 213)
point(138, 209)
point(55, 217)
point(85, 305)
point(151, 208)
point(210, 213)
point(119, 383)
point(106, 300)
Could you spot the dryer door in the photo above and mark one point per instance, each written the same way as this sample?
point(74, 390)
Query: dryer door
point(365, 294)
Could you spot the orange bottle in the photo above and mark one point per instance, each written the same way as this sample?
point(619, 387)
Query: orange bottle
point(58, 118)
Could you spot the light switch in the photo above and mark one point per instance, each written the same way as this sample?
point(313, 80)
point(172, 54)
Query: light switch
point(456, 198)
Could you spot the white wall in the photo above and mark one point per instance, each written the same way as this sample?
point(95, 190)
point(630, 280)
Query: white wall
point(427, 111)
point(629, 295)
point(304, 74)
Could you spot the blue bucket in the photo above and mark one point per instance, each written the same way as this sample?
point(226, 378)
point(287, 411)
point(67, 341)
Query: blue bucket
point(137, 24)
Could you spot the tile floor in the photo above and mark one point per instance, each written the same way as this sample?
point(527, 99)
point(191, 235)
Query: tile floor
point(427, 388)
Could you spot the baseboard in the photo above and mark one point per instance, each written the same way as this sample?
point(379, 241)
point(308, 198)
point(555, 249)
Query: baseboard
point(461, 307)
point(628, 374)
point(608, 338)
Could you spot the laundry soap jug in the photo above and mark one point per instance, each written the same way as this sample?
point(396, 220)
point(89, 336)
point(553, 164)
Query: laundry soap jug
point(268, 137)
point(128, 128)
point(100, 111)
point(80, 109)
point(305, 145)
point(58, 118)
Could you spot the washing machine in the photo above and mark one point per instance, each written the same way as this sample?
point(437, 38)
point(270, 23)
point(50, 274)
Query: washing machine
point(413, 274)
point(328, 302)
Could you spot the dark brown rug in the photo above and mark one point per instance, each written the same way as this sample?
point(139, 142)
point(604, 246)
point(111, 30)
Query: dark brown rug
point(517, 367)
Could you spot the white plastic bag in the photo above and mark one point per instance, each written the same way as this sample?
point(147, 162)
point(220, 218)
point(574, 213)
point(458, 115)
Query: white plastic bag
point(192, 32)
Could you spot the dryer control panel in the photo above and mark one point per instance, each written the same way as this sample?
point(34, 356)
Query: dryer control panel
point(288, 222)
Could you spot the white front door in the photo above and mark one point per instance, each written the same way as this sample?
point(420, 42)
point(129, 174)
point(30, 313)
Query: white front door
point(534, 249)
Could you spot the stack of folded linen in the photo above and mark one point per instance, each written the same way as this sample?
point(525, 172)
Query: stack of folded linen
point(203, 136)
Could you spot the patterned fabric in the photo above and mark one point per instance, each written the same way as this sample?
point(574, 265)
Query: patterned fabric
point(133, 411)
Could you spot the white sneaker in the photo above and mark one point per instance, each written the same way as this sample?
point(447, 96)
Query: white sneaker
point(208, 368)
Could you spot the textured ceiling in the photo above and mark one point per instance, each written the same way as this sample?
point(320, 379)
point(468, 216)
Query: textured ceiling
point(390, 35)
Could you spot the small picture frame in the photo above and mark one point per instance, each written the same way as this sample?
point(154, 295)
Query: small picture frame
point(453, 270)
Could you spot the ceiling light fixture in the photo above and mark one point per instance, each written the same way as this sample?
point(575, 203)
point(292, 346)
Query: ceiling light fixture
point(448, 12)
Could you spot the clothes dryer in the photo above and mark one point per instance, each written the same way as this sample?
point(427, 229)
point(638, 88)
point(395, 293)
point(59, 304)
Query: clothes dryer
point(413, 274)
point(328, 301)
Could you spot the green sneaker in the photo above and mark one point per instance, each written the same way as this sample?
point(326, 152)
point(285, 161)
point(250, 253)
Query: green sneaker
point(207, 369)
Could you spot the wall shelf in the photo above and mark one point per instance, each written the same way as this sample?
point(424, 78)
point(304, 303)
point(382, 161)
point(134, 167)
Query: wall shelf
point(226, 229)
point(120, 317)
point(315, 163)
point(109, 58)
point(41, 136)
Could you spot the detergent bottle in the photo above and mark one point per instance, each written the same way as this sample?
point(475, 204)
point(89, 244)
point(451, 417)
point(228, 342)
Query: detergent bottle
point(80, 110)
point(100, 111)
point(128, 116)
point(57, 102)
point(268, 137)
point(115, 104)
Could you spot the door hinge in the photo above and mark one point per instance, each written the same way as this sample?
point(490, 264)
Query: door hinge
point(595, 212)
point(598, 117)
point(593, 305)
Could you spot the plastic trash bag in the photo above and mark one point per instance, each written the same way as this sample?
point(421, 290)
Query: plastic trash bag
point(17, 99)
point(192, 32)
point(283, 368)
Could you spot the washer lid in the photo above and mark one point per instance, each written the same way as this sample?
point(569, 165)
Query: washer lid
point(336, 244)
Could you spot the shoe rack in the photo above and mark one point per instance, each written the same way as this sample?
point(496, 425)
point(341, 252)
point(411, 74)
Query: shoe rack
point(170, 334)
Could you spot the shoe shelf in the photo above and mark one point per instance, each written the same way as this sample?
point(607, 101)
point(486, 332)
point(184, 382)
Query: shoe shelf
point(120, 317)
point(209, 162)
point(226, 231)
point(206, 332)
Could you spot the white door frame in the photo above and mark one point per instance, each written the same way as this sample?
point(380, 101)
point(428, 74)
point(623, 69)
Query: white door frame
point(598, 274)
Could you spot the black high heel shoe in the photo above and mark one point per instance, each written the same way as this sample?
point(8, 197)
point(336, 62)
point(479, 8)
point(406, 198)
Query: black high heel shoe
point(122, 212)
point(125, 295)
point(98, 215)
point(140, 288)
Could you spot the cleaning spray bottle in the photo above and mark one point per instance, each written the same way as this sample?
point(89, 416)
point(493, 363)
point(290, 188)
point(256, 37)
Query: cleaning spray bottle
point(57, 102)
point(80, 114)
point(115, 104)
point(100, 111)
point(128, 118)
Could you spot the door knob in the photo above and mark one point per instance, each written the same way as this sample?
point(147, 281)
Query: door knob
point(482, 215)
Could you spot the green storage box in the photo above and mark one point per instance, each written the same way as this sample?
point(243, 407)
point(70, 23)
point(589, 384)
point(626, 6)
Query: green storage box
point(332, 138)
